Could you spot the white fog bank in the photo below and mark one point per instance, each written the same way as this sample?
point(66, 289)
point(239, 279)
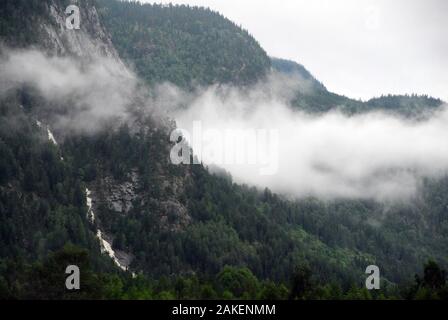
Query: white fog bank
point(373, 155)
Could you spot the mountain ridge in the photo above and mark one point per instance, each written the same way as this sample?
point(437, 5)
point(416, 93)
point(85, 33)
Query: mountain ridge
point(184, 227)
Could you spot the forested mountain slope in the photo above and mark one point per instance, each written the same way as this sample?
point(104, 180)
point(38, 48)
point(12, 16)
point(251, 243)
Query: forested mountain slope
point(316, 98)
point(191, 46)
point(186, 232)
point(181, 44)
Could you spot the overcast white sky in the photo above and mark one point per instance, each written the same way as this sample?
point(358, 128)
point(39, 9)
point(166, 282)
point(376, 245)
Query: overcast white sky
point(360, 48)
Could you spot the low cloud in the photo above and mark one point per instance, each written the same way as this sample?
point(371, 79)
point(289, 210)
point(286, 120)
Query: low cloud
point(83, 92)
point(374, 155)
point(332, 155)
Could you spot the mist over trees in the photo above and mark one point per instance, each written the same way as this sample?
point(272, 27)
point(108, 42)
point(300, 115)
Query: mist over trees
point(192, 234)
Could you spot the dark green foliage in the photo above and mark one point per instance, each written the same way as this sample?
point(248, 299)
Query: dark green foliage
point(47, 280)
point(17, 18)
point(434, 277)
point(193, 234)
point(315, 98)
point(301, 283)
point(239, 282)
point(42, 197)
point(181, 44)
point(412, 106)
point(432, 285)
point(292, 68)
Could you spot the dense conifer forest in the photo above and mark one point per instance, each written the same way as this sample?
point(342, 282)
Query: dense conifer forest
point(192, 234)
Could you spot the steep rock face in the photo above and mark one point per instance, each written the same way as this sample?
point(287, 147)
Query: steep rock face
point(42, 24)
point(89, 41)
point(119, 197)
point(120, 258)
point(128, 196)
